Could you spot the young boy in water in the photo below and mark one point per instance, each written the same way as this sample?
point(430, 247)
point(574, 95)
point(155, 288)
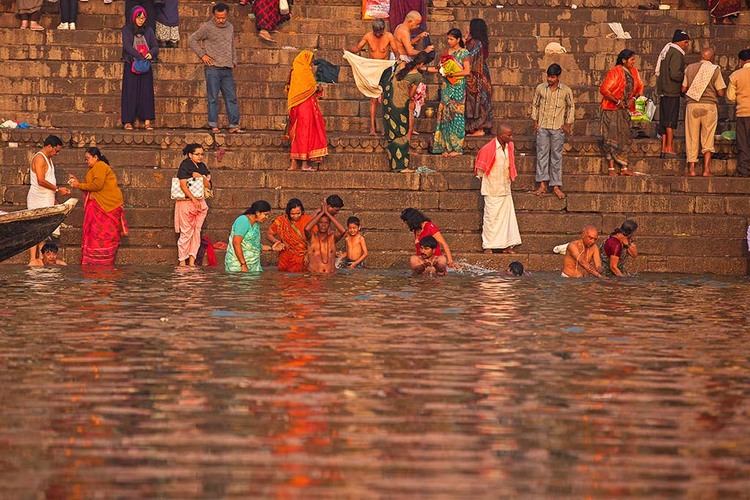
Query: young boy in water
point(356, 248)
point(427, 262)
point(49, 257)
point(321, 241)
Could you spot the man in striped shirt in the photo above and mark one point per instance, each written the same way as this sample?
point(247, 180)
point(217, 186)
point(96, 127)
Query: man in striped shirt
point(553, 112)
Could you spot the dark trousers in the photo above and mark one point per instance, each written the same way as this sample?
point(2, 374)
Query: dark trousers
point(68, 11)
point(137, 95)
point(743, 145)
point(150, 11)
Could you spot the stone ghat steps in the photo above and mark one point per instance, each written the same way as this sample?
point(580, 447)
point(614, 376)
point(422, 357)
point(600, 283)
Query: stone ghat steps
point(238, 149)
point(195, 119)
point(431, 192)
point(660, 173)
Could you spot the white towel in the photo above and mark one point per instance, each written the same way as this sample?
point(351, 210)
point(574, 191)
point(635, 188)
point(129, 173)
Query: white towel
point(701, 81)
point(663, 55)
point(619, 31)
point(367, 73)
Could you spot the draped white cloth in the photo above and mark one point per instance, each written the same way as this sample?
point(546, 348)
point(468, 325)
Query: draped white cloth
point(367, 73)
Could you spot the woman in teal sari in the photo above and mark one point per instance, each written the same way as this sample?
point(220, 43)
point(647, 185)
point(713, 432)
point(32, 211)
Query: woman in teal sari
point(399, 88)
point(450, 130)
point(243, 251)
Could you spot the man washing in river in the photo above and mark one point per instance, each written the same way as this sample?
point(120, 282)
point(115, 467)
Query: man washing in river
point(321, 245)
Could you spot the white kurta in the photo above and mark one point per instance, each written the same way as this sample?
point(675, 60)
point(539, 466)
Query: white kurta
point(38, 196)
point(499, 226)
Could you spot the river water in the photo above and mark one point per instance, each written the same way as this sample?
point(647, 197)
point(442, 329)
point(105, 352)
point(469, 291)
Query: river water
point(160, 382)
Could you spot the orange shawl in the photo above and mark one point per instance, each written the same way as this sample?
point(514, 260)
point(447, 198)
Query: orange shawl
point(302, 83)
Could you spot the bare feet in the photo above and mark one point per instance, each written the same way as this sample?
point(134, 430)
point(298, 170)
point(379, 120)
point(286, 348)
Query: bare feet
point(706, 173)
point(542, 189)
point(626, 173)
point(236, 130)
point(478, 133)
point(128, 126)
point(453, 154)
point(373, 132)
point(559, 192)
point(147, 125)
point(215, 130)
point(265, 35)
point(487, 250)
point(611, 172)
point(293, 166)
point(507, 250)
point(445, 153)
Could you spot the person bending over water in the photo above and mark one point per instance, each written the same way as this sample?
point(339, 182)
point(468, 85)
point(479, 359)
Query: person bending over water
point(321, 245)
point(421, 226)
point(428, 261)
point(582, 256)
point(48, 257)
point(617, 248)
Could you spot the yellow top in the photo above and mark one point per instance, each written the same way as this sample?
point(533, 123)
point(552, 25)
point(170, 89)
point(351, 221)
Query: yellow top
point(101, 182)
point(302, 83)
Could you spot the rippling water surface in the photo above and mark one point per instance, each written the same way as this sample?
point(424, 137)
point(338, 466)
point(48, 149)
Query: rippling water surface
point(151, 382)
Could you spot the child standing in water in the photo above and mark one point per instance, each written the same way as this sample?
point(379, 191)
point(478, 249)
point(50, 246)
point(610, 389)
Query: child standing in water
point(356, 248)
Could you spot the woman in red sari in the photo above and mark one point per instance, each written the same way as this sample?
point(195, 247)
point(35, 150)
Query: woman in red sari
point(103, 217)
point(289, 230)
point(307, 131)
point(723, 11)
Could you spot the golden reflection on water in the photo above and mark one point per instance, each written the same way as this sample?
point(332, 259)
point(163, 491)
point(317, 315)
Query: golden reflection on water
point(194, 383)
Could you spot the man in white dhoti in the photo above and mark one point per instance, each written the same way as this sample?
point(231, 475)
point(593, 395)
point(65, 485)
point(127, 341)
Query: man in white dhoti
point(496, 167)
point(44, 184)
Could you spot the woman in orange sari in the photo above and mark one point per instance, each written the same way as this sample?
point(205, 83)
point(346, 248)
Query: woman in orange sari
point(307, 131)
point(289, 230)
point(103, 215)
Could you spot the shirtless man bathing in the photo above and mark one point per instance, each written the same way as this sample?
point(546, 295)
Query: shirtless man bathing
point(321, 244)
point(380, 43)
point(582, 257)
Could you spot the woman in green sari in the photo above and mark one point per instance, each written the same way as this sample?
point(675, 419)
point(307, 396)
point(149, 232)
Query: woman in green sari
point(450, 130)
point(398, 90)
point(243, 251)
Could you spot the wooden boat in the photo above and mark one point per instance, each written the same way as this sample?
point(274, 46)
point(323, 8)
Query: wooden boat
point(21, 230)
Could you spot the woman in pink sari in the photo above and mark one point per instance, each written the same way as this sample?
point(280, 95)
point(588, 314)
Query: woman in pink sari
point(307, 131)
point(103, 217)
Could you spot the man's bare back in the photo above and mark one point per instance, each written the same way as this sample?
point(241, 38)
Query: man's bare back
point(404, 41)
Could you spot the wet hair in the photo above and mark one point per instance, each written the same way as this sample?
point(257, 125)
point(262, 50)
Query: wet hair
point(53, 140)
point(353, 220)
point(378, 25)
point(413, 218)
point(478, 31)
point(98, 154)
point(292, 204)
point(428, 242)
point(335, 201)
point(421, 58)
point(744, 55)
point(627, 228)
point(190, 148)
point(554, 70)
point(623, 56)
point(456, 33)
point(50, 247)
point(515, 268)
point(258, 207)
point(220, 7)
